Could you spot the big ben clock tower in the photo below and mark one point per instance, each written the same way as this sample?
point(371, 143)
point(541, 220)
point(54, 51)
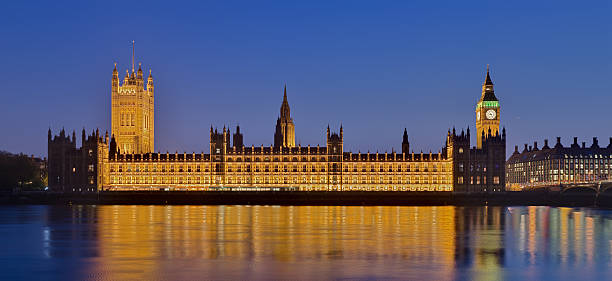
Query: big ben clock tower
point(487, 111)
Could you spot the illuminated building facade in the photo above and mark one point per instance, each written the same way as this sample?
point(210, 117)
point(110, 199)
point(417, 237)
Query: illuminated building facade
point(131, 164)
point(552, 166)
point(132, 111)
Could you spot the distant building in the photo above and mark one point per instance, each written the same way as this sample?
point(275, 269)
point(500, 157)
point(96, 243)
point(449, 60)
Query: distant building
point(127, 161)
point(549, 166)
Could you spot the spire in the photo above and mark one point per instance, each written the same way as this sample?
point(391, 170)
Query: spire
point(488, 94)
point(488, 78)
point(285, 111)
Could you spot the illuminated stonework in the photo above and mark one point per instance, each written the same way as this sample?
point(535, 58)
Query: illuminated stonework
point(132, 112)
point(128, 162)
point(298, 168)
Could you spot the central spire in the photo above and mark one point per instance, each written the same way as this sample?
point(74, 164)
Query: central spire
point(285, 94)
point(285, 111)
point(284, 135)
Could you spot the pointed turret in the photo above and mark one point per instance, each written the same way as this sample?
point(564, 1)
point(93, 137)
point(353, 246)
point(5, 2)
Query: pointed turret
point(126, 80)
point(150, 86)
point(405, 143)
point(115, 81)
point(139, 75)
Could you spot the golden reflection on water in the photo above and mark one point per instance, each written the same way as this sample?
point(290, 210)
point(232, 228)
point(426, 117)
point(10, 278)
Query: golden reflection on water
point(318, 242)
point(136, 240)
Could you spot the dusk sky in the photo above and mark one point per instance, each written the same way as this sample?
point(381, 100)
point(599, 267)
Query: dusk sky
point(374, 67)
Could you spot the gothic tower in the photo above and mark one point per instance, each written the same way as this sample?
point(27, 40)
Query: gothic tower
point(132, 111)
point(487, 112)
point(405, 143)
point(284, 136)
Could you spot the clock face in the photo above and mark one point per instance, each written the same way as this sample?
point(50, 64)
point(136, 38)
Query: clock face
point(491, 114)
point(478, 115)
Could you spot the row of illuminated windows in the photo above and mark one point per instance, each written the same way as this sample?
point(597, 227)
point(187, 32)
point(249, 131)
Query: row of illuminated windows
point(285, 159)
point(567, 167)
point(158, 168)
point(549, 178)
point(562, 162)
point(415, 167)
point(377, 188)
point(588, 156)
point(477, 180)
point(275, 159)
point(402, 180)
point(548, 170)
point(278, 180)
point(158, 180)
point(284, 168)
point(544, 173)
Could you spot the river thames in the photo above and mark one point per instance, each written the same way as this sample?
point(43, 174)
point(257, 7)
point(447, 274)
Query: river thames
point(304, 243)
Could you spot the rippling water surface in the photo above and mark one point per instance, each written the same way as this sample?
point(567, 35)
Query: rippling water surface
point(303, 243)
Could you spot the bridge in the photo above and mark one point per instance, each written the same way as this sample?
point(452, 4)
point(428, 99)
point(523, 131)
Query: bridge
point(596, 186)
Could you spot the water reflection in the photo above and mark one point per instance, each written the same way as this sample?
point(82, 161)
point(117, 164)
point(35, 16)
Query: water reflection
point(272, 242)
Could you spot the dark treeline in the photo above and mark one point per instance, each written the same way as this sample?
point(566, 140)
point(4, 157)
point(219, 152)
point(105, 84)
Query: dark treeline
point(20, 171)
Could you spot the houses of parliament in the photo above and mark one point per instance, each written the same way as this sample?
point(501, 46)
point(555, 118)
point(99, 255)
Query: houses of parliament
point(125, 158)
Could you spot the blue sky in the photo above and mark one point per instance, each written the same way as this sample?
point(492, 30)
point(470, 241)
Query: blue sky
point(376, 67)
